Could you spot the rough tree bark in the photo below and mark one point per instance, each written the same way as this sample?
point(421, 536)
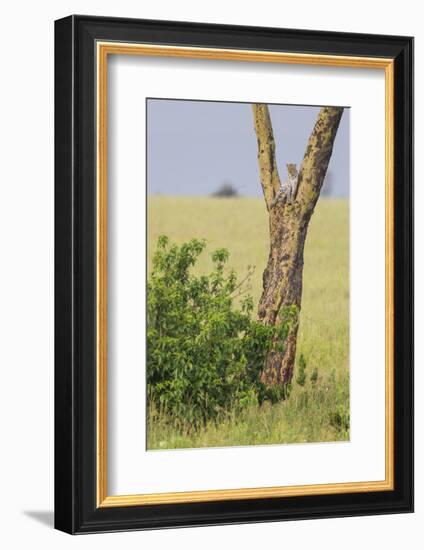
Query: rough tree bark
point(288, 225)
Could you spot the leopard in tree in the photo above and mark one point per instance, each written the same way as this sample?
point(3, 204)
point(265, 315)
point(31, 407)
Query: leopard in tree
point(289, 186)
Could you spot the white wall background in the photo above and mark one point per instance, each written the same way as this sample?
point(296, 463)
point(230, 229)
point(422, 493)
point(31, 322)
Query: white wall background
point(26, 273)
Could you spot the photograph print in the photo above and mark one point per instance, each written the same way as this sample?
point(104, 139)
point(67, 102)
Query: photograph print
point(247, 274)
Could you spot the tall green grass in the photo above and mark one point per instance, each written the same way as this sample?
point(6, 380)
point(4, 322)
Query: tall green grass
point(313, 412)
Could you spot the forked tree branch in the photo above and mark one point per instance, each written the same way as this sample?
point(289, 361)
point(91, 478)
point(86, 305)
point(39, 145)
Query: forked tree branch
point(268, 171)
point(288, 225)
point(317, 156)
point(315, 161)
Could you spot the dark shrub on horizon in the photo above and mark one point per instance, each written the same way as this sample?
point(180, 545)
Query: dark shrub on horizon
point(226, 190)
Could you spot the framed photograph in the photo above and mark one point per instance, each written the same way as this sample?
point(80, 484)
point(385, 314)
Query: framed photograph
point(234, 274)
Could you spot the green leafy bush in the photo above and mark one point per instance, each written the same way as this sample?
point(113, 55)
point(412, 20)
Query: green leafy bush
point(204, 354)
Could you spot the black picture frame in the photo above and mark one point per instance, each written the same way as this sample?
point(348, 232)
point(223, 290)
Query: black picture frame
point(76, 508)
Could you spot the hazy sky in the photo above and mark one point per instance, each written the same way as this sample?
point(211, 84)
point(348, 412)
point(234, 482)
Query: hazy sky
point(193, 147)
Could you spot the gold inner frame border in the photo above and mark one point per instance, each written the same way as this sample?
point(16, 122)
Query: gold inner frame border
point(103, 50)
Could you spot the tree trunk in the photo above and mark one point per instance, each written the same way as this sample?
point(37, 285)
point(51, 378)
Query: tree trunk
point(288, 226)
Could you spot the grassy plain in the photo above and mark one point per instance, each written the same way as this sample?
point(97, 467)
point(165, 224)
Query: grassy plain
point(316, 411)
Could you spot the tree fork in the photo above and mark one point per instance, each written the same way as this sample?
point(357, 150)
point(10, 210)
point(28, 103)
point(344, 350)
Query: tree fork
point(288, 226)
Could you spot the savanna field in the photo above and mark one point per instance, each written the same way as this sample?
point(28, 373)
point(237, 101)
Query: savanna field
point(318, 407)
